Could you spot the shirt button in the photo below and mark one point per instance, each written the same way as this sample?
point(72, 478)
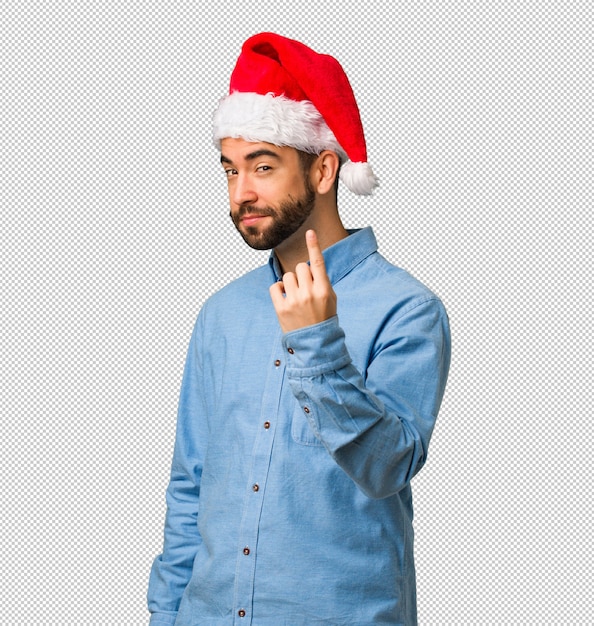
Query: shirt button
point(290, 351)
point(246, 551)
point(306, 409)
point(266, 425)
point(256, 487)
point(277, 362)
point(241, 613)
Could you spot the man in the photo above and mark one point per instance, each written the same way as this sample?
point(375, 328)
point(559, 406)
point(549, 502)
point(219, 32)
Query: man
point(311, 385)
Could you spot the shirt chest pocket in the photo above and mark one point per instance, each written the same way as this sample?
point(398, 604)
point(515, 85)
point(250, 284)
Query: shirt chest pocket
point(301, 430)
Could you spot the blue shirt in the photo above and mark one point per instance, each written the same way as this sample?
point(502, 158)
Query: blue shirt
point(289, 500)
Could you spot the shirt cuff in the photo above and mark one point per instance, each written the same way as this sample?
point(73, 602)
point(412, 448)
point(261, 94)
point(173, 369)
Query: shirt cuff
point(316, 349)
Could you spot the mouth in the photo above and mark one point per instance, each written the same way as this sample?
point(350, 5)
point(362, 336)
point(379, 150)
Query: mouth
point(251, 219)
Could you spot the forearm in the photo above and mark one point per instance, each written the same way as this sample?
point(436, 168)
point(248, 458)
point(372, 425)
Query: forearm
point(375, 424)
point(378, 448)
point(172, 569)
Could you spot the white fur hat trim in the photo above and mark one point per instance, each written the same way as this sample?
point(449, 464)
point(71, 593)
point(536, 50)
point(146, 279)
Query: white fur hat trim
point(273, 119)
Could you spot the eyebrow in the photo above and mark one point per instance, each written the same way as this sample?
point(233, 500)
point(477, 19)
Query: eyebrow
point(256, 154)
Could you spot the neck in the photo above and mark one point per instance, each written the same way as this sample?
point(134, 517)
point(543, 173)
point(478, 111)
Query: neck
point(293, 250)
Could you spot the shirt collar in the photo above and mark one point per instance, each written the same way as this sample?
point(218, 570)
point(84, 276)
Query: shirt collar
point(342, 257)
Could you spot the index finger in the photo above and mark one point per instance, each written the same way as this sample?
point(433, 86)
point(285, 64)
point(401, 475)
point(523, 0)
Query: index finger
point(316, 258)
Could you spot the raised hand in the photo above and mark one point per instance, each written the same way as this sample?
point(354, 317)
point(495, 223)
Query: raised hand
point(305, 297)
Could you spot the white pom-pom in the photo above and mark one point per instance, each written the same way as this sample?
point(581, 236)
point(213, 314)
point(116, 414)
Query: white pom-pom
point(359, 178)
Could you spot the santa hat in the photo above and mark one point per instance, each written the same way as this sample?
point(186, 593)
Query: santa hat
point(284, 93)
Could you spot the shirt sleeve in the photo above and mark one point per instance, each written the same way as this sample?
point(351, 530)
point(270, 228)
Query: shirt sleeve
point(376, 424)
point(171, 570)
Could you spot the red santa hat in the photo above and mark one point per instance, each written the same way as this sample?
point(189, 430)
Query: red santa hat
point(284, 93)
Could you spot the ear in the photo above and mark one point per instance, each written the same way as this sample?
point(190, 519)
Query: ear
point(325, 171)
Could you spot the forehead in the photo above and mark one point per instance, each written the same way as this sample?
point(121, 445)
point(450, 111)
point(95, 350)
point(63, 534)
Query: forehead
point(235, 150)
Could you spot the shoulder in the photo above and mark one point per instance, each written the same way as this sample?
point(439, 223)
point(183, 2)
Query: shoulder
point(379, 281)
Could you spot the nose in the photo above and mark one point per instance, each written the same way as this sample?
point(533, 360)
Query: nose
point(241, 190)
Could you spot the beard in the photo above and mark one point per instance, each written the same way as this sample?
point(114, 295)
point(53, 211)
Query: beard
point(287, 220)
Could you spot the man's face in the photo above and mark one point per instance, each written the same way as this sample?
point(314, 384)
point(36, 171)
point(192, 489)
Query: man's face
point(270, 195)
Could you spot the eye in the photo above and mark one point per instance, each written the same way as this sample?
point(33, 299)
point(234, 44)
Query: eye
point(230, 172)
point(263, 168)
